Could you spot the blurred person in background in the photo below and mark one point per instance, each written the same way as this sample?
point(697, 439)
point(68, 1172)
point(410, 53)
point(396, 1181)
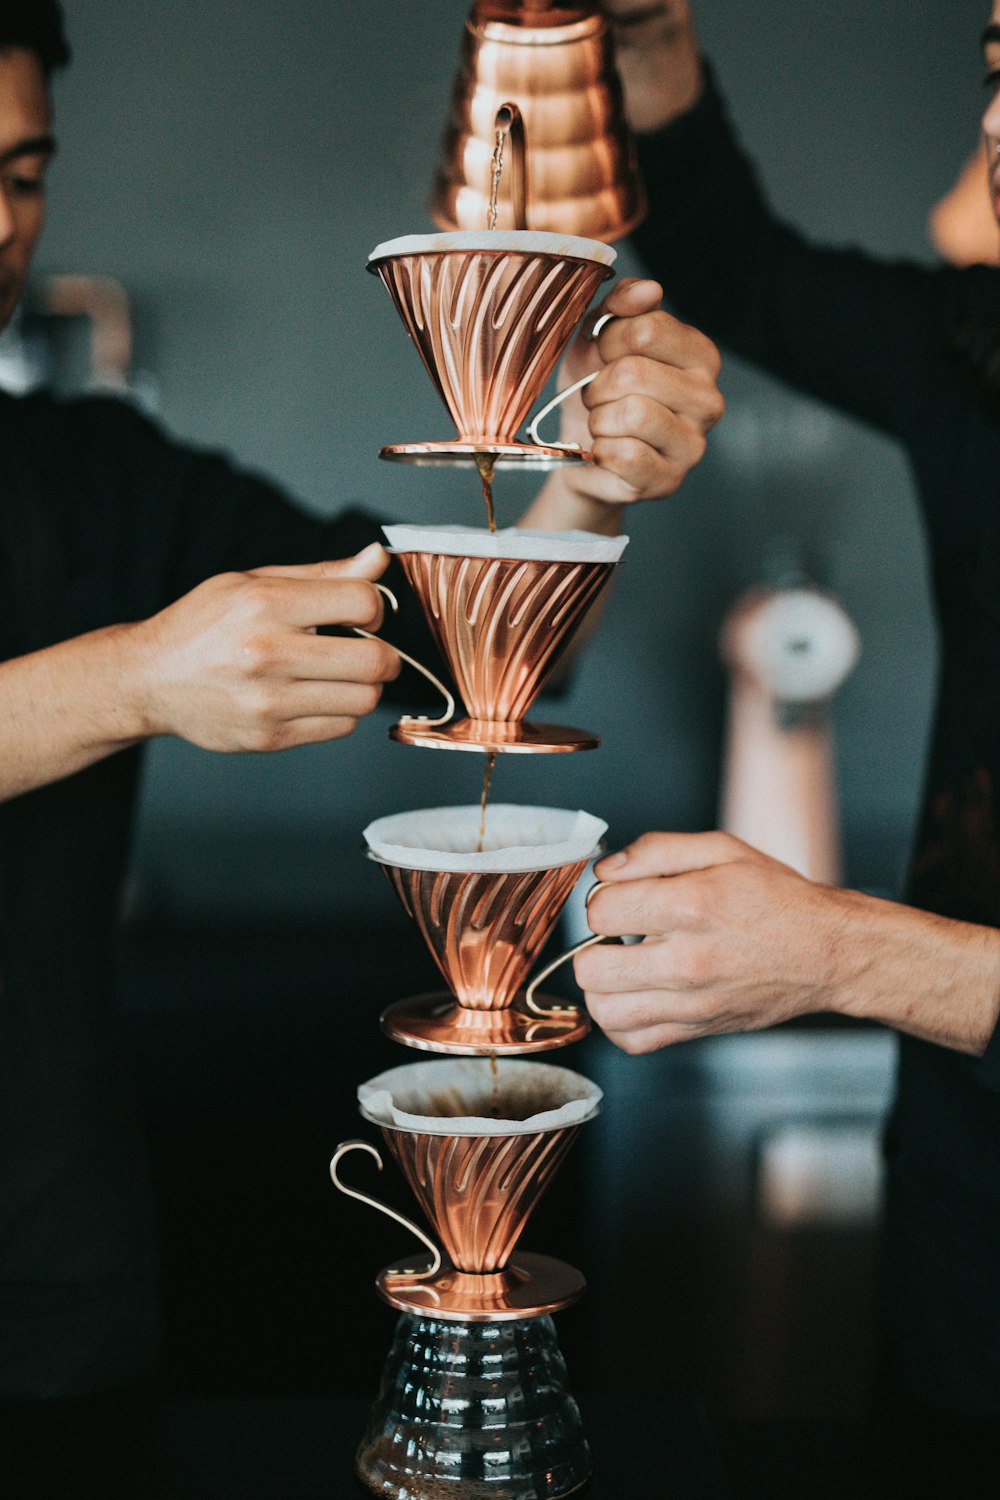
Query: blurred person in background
point(736, 941)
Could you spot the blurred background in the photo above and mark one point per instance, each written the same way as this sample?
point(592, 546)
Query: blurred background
point(232, 165)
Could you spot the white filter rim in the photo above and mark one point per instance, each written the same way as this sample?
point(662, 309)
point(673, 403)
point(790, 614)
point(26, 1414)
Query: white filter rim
point(391, 1099)
point(570, 246)
point(516, 839)
point(514, 543)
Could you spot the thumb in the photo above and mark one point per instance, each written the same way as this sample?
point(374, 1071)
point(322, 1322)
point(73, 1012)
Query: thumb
point(371, 562)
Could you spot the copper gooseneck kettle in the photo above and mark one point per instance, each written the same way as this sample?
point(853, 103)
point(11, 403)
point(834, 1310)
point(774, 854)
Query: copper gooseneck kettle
point(551, 62)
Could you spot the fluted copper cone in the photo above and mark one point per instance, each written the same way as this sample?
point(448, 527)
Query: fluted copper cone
point(502, 624)
point(479, 1191)
point(490, 326)
point(485, 930)
point(556, 63)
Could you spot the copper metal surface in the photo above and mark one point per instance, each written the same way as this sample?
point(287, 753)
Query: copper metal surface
point(478, 1191)
point(521, 738)
point(490, 327)
point(556, 64)
point(437, 1023)
point(501, 624)
point(531, 1286)
point(507, 455)
point(484, 930)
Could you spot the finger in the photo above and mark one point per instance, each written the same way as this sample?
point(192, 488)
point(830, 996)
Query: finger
point(312, 600)
point(312, 700)
point(655, 905)
point(641, 1010)
point(628, 298)
point(667, 436)
point(657, 335)
point(652, 1038)
point(633, 470)
point(688, 393)
point(672, 854)
point(314, 731)
point(325, 658)
point(371, 562)
point(619, 969)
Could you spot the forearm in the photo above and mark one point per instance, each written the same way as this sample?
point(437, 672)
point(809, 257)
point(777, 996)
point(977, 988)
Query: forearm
point(66, 707)
point(922, 974)
point(560, 506)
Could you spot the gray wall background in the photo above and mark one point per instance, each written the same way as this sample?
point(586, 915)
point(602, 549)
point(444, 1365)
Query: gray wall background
point(233, 162)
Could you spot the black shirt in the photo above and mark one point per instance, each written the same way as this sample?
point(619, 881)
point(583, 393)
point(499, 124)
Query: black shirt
point(887, 342)
point(103, 520)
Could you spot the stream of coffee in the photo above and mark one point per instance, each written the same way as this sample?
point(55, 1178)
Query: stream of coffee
point(491, 760)
point(495, 1095)
point(501, 136)
point(485, 463)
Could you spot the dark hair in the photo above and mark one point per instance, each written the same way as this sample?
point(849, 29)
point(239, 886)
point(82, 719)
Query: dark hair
point(36, 25)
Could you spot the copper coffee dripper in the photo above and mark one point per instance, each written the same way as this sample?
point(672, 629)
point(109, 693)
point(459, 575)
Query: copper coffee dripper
point(485, 930)
point(553, 60)
point(478, 1182)
point(474, 1400)
point(490, 315)
point(501, 624)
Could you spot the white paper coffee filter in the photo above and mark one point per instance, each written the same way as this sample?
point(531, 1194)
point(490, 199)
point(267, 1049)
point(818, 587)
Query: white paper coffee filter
point(454, 1097)
point(515, 838)
point(527, 241)
point(511, 542)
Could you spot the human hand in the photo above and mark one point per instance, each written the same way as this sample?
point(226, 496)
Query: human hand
point(646, 415)
point(656, 51)
point(237, 664)
point(733, 941)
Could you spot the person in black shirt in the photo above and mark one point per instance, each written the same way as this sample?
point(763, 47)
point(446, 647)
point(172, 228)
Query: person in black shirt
point(134, 603)
point(738, 941)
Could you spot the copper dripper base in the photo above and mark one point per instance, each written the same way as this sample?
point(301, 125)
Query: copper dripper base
point(516, 737)
point(437, 1023)
point(507, 455)
point(529, 1286)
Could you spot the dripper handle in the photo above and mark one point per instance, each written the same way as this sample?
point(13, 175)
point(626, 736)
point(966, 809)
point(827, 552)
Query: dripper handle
point(368, 635)
point(561, 1010)
point(561, 396)
point(358, 1145)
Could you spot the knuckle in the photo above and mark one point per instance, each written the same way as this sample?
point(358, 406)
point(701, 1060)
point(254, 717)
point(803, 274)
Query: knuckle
point(635, 411)
point(628, 372)
point(256, 596)
point(694, 968)
point(257, 655)
point(263, 704)
point(224, 583)
point(642, 331)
